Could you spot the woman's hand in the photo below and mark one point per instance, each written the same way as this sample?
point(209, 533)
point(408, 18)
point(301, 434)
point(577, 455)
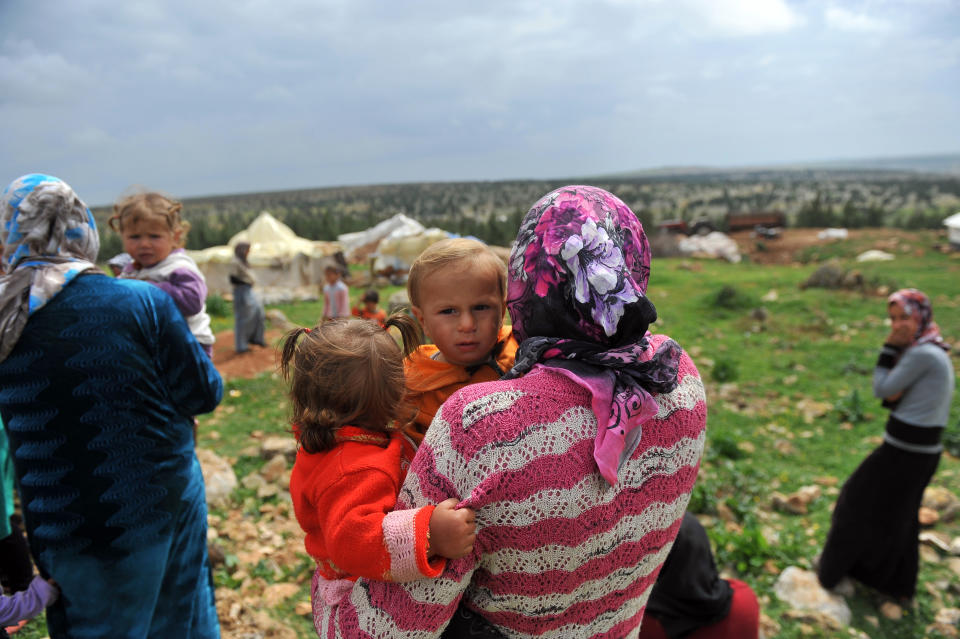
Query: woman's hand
point(452, 531)
point(901, 334)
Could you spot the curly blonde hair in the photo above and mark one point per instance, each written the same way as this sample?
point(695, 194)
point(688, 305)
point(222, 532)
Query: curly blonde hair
point(149, 206)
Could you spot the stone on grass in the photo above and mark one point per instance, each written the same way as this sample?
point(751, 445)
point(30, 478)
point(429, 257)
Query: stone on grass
point(802, 591)
point(273, 446)
point(218, 477)
point(274, 469)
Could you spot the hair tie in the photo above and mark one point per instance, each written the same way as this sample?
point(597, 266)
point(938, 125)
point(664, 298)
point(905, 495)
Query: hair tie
point(306, 330)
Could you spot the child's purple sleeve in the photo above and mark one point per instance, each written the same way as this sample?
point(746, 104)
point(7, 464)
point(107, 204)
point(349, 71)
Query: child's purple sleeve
point(27, 604)
point(187, 289)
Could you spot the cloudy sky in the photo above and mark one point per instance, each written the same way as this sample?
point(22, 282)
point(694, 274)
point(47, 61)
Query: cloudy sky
point(205, 97)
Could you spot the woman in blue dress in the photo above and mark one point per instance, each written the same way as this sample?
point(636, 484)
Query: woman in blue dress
point(99, 382)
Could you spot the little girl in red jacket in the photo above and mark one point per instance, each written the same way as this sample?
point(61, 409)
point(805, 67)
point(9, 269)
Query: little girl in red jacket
point(347, 388)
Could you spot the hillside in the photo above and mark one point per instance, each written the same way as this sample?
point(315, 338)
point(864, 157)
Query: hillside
point(492, 210)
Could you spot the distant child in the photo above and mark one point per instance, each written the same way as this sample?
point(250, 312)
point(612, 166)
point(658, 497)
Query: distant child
point(369, 309)
point(347, 392)
point(153, 234)
point(336, 295)
point(458, 292)
point(22, 606)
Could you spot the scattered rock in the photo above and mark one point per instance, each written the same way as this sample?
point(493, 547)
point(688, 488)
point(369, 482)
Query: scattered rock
point(273, 446)
point(278, 320)
point(955, 546)
point(276, 594)
point(397, 301)
point(936, 539)
point(218, 477)
point(948, 616)
point(274, 469)
point(954, 564)
point(797, 502)
point(725, 514)
point(927, 516)
point(891, 610)
point(802, 591)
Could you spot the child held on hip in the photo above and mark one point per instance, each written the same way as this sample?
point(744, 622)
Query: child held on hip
point(458, 291)
point(347, 388)
point(153, 234)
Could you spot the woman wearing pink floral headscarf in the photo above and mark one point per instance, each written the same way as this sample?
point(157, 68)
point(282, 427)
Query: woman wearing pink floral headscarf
point(873, 536)
point(579, 464)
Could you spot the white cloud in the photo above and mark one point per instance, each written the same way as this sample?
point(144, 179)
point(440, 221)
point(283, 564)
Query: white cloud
point(845, 20)
point(745, 17)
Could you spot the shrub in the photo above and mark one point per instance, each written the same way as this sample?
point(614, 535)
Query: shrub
point(726, 370)
point(732, 298)
point(218, 307)
point(850, 407)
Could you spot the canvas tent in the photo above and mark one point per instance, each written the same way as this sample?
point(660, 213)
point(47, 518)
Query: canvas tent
point(287, 267)
point(953, 230)
point(392, 244)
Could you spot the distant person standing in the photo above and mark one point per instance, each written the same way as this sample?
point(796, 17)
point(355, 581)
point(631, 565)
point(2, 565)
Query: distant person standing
point(336, 295)
point(248, 313)
point(873, 534)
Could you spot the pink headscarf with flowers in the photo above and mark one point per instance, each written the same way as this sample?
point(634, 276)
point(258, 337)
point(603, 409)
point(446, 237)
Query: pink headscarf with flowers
point(577, 280)
point(913, 302)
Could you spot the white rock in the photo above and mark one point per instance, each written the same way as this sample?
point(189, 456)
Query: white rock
point(273, 446)
point(801, 590)
point(218, 477)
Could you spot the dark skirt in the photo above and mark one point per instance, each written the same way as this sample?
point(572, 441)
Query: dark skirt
point(248, 318)
point(873, 534)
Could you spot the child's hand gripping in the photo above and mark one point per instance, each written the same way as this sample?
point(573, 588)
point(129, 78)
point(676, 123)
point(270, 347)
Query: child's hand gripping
point(452, 531)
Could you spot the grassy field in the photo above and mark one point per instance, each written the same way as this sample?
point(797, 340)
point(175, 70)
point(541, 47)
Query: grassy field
point(790, 406)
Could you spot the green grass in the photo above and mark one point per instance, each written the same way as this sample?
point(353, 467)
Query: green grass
point(815, 351)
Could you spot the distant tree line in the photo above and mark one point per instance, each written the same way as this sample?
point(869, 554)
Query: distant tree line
point(492, 211)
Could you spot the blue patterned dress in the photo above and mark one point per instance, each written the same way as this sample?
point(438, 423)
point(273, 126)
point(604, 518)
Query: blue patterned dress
point(98, 397)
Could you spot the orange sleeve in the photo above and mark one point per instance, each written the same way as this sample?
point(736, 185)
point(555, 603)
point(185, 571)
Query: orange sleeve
point(353, 511)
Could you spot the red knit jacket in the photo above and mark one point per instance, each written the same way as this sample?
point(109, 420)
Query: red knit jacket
point(343, 499)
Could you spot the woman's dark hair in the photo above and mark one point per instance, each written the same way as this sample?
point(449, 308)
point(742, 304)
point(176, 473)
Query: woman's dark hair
point(346, 372)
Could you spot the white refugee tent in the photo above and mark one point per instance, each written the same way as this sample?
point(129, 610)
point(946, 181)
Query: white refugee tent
point(953, 229)
point(357, 247)
point(286, 266)
point(393, 244)
point(711, 245)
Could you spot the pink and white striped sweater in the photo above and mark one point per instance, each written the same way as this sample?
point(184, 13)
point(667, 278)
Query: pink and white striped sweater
point(559, 552)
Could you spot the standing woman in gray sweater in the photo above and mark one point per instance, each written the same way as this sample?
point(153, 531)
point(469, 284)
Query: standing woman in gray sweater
point(873, 536)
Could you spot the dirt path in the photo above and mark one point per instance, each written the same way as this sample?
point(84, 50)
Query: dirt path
point(250, 364)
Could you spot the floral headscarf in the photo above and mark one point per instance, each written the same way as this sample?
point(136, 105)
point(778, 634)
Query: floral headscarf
point(49, 237)
point(576, 295)
point(913, 301)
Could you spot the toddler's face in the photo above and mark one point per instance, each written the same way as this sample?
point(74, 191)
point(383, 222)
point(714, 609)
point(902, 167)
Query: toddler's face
point(149, 242)
point(331, 276)
point(461, 310)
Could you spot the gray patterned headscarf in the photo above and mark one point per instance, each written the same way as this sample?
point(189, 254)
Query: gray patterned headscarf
point(49, 237)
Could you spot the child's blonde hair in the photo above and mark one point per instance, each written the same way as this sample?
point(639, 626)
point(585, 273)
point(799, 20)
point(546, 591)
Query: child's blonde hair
point(150, 206)
point(346, 372)
point(445, 254)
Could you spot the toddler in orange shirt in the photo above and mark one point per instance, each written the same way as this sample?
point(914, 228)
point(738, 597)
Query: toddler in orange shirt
point(458, 293)
point(347, 387)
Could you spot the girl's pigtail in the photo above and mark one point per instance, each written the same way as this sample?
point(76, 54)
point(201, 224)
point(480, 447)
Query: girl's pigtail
point(409, 331)
point(290, 349)
point(321, 435)
point(115, 221)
